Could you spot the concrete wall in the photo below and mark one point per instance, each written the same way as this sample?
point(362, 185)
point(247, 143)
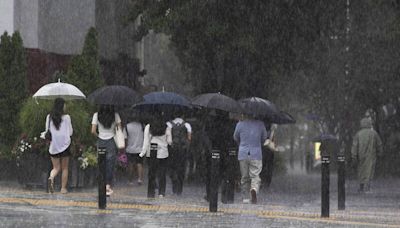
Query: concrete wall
point(64, 24)
point(163, 67)
point(115, 36)
point(26, 21)
point(6, 16)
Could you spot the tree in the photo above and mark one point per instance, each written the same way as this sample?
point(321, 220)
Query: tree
point(13, 86)
point(84, 70)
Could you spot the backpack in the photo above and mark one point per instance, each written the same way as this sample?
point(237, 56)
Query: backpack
point(179, 134)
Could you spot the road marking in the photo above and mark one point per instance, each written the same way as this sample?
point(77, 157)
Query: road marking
point(300, 216)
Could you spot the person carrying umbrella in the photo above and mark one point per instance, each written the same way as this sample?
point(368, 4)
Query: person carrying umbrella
point(104, 123)
point(182, 135)
point(157, 138)
point(58, 123)
point(250, 135)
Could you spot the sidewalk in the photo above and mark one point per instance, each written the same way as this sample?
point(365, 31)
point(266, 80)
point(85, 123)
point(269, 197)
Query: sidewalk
point(292, 201)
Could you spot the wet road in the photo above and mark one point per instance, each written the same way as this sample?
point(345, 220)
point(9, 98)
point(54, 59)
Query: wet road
point(292, 201)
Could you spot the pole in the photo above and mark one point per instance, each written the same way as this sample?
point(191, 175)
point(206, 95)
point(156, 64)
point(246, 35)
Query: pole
point(228, 194)
point(341, 182)
point(325, 186)
point(215, 157)
point(151, 186)
point(101, 158)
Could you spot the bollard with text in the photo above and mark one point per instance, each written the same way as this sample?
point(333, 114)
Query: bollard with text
point(102, 177)
point(228, 190)
point(214, 182)
point(325, 186)
point(152, 172)
point(341, 182)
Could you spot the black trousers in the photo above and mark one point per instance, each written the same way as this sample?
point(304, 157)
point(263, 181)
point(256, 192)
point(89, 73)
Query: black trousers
point(177, 168)
point(157, 170)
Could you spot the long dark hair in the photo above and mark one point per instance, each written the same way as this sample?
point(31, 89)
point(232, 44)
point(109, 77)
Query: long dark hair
point(57, 112)
point(106, 115)
point(157, 127)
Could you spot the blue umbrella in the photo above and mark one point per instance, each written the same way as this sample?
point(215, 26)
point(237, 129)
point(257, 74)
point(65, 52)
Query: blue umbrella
point(164, 99)
point(324, 137)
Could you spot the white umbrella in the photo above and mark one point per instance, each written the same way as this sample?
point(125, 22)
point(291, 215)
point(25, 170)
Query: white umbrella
point(59, 89)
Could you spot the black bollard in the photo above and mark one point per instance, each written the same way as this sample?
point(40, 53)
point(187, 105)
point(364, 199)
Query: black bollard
point(228, 194)
point(151, 187)
point(101, 158)
point(341, 182)
point(325, 186)
point(214, 182)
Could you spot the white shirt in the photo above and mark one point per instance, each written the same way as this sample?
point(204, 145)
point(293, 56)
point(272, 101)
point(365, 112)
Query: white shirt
point(163, 141)
point(135, 137)
point(61, 138)
point(106, 133)
point(180, 121)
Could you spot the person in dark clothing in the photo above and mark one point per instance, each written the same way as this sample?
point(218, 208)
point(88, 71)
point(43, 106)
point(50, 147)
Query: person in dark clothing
point(181, 137)
point(218, 128)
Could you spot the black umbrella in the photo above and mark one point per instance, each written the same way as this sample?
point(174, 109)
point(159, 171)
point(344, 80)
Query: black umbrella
point(217, 101)
point(282, 118)
point(259, 107)
point(114, 95)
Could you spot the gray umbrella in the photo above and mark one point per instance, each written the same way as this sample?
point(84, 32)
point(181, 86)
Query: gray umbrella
point(115, 95)
point(217, 101)
point(259, 107)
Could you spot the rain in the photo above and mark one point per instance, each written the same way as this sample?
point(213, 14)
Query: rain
point(230, 113)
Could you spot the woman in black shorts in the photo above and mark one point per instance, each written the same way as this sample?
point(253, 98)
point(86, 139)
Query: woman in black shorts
point(59, 124)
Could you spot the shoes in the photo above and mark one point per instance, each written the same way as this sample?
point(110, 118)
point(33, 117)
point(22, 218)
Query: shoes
point(109, 192)
point(160, 196)
point(64, 191)
point(50, 185)
point(140, 182)
point(253, 196)
point(246, 201)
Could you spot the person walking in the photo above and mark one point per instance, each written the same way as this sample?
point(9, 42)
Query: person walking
point(60, 126)
point(104, 123)
point(367, 145)
point(250, 135)
point(157, 137)
point(134, 135)
point(181, 137)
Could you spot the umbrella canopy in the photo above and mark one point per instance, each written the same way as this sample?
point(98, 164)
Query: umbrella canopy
point(217, 101)
point(324, 137)
point(282, 118)
point(59, 89)
point(115, 95)
point(259, 107)
point(164, 98)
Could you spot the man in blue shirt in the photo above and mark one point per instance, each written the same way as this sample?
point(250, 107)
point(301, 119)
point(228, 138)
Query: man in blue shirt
point(250, 135)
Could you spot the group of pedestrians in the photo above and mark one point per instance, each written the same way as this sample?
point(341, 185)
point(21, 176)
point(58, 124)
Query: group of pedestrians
point(165, 145)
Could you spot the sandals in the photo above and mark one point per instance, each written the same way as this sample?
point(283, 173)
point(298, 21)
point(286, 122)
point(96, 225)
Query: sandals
point(50, 185)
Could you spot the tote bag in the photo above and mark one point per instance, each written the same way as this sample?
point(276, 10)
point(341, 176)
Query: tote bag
point(119, 138)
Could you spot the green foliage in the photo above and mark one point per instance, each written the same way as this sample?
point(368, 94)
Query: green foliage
point(84, 69)
point(13, 86)
point(33, 116)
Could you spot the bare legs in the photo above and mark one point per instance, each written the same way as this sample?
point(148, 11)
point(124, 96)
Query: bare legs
point(59, 164)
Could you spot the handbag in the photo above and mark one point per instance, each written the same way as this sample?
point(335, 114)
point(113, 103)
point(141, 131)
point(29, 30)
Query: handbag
point(269, 143)
point(119, 138)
